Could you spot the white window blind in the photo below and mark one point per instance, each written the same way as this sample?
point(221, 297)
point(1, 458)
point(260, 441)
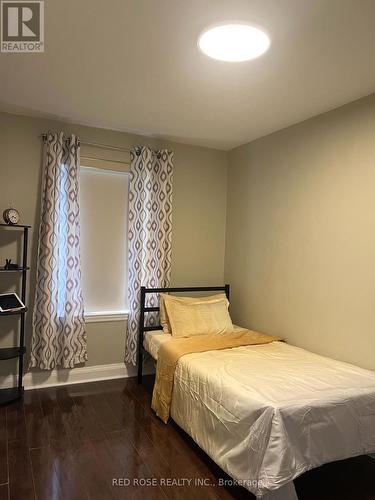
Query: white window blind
point(104, 230)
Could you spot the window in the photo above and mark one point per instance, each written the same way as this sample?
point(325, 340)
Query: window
point(62, 232)
point(104, 230)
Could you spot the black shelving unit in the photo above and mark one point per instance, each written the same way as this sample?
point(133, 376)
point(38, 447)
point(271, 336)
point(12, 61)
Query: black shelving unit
point(16, 352)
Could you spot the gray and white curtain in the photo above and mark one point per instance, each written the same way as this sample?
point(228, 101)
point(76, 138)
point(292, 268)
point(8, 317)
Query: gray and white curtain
point(59, 337)
point(150, 234)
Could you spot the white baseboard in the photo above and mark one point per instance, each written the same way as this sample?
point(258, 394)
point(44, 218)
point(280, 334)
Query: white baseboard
point(38, 379)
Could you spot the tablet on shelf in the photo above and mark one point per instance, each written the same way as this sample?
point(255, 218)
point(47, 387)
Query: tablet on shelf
point(10, 302)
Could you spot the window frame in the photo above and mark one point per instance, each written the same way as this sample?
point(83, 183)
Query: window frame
point(106, 316)
point(115, 167)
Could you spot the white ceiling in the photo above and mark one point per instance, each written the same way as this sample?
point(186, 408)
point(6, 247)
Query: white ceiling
point(133, 65)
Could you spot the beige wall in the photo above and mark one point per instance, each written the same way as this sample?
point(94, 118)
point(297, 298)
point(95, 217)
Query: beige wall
point(198, 214)
point(300, 240)
point(300, 247)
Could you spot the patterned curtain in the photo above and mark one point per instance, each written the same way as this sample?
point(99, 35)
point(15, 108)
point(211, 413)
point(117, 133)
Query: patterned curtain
point(150, 234)
point(59, 337)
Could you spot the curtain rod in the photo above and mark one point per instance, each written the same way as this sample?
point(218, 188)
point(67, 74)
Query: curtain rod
point(97, 145)
point(105, 146)
point(87, 157)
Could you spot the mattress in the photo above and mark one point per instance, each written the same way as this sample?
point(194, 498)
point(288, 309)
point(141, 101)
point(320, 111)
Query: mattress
point(268, 413)
point(153, 340)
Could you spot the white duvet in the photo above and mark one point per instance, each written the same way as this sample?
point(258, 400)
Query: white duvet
point(266, 414)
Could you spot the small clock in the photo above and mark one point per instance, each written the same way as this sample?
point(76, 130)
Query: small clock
point(11, 216)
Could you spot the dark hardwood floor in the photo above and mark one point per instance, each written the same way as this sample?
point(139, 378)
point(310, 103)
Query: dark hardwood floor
point(86, 441)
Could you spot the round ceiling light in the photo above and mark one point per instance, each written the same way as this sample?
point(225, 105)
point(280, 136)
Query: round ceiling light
point(234, 42)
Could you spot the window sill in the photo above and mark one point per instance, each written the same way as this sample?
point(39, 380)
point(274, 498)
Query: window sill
point(103, 317)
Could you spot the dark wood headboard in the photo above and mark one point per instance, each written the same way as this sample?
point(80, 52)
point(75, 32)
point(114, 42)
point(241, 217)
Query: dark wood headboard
point(144, 309)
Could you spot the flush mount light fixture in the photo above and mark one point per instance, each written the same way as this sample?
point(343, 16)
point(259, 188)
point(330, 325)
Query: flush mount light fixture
point(234, 42)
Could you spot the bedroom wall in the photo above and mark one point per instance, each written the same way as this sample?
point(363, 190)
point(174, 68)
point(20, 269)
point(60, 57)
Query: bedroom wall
point(300, 245)
point(198, 216)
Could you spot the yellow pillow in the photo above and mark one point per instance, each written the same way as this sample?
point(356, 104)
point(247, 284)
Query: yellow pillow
point(164, 320)
point(198, 318)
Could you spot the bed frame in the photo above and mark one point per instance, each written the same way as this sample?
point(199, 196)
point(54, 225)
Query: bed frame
point(144, 309)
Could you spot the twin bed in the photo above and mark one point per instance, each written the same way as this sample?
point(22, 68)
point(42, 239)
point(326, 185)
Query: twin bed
point(265, 413)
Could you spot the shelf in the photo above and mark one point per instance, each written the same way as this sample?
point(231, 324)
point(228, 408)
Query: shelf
point(16, 352)
point(19, 269)
point(20, 226)
point(9, 395)
point(11, 352)
point(13, 313)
